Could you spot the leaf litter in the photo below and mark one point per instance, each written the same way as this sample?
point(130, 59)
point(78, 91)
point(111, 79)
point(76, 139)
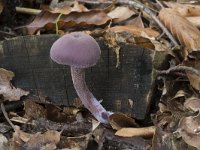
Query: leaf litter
point(175, 122)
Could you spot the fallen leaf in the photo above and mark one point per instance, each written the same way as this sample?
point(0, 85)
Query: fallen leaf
point(66, 9)
point(71, 110)
point(193, 78)
point(19, 138)
point(39, 140)
point(4, 127)
point(47, 20)
point(193, 104)
point(8, 91)
point(194, 20)
point(133, 132)
point(185, 10)
point(187, 127)
point(4, 144)
point(180, 94)
point(120, 14)
point(158, 46)
point(95, 124)
point(137, 21)
point(50, 146)
point(119, 120)
point(182, 29)
point(135, 30)
point(34, 110)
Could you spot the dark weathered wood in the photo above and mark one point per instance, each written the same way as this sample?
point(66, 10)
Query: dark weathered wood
point(29, 58)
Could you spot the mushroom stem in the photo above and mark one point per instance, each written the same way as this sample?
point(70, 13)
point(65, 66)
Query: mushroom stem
point(87, 98)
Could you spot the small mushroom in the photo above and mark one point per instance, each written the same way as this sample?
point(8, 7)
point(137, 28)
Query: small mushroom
point(80, 51)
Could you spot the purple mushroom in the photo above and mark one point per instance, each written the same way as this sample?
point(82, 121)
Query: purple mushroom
point(80, 51)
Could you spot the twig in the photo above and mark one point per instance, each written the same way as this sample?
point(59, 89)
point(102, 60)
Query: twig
point(6, 116)
point(67, 129)
point(179, 68)
point(28, 10)
point(160, 4)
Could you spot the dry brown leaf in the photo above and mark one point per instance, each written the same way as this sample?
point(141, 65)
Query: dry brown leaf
point(121, 13)
point(158, 46)
point(193, 104)
point(187, 127)
point(137, 21)
point(194, 20)
point(34, 110)
point(184, 9)
point(4, 144)
point(47, 20)
point(8, 91)
point(179, 94)
point(50, 146)
point(19, 138)
point(66, 9)
point(133, 132)
point(119, 120)
point(39, 140)
point(181, 28)
point(193, 78)
point(135, 30)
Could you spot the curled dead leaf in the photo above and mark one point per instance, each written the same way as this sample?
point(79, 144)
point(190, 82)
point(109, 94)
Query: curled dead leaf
point(193, 104)
point(119, 120)
point(187, 127)
point(8, 91)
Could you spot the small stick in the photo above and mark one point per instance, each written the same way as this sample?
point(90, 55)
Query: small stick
point(179, 68)
point(160, 4)
point(6, 116)
point(29, 11)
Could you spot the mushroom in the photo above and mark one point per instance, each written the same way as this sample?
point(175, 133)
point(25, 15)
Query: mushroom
point(80, 51)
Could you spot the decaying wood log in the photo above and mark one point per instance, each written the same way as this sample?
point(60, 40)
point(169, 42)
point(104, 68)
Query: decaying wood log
point(127, 88)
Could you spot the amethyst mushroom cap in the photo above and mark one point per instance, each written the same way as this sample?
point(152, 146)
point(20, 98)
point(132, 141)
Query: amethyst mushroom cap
point(80, 51)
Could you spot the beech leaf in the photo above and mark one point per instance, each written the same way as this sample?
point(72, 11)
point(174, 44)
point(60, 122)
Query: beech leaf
point(187, 34)
point(8, 91)
point(185, 10)
point(120, 14)
point(47, 20)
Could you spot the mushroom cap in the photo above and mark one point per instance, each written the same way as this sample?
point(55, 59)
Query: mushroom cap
point(76, 49)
